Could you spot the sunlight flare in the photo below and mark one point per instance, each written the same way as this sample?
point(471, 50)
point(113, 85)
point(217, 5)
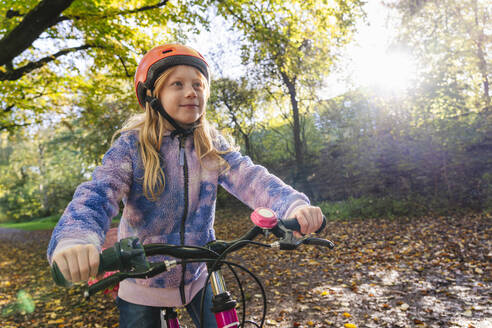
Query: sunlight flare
point(389, 71)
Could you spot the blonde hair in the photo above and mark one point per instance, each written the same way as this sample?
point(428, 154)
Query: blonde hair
point(151, 126)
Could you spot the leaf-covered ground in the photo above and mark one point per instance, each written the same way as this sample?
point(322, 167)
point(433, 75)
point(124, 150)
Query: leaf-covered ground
point(426, 272)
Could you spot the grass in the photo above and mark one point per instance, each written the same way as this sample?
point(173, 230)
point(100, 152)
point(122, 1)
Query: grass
point(46, 223)
point(387, 207)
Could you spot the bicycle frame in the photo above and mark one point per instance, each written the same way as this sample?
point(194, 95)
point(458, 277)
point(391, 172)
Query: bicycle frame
point(224, 307)
point(171, 318)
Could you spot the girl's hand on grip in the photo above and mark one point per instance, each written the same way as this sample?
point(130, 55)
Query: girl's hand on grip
point(78, 263)
point(310, 219)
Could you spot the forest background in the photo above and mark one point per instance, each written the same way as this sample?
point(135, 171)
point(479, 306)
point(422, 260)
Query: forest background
point(381, 149)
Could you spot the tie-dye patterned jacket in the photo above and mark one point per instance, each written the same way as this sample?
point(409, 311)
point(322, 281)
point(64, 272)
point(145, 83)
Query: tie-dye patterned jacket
point(183, 213)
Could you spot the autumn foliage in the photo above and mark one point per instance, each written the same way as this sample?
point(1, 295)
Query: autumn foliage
point(425, 272)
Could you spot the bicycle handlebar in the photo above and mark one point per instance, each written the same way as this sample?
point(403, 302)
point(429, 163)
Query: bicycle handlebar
point(129, 256)
point(293, 225)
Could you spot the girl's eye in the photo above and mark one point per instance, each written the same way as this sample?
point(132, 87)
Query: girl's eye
point(198, 85)
point(177, 83)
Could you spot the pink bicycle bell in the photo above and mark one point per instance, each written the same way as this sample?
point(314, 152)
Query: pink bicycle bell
point(264, 218)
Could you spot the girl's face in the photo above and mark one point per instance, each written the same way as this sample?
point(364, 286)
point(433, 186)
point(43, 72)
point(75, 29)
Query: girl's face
point(183, 94)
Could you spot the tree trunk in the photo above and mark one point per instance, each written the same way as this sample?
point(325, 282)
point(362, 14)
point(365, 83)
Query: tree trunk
point(247, 145)
point(43, 16)
point(42, 171)
point(300, 178)
point(482, 63)
point(299, 153)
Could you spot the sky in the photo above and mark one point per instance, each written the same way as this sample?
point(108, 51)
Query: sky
point(366, 62)
point(372, 59)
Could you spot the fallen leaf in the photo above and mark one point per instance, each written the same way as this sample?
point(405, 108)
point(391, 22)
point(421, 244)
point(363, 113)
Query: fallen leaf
point(404, 306)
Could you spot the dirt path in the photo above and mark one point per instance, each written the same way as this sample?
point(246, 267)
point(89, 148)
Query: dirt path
point(22, 236)
point(426, 272)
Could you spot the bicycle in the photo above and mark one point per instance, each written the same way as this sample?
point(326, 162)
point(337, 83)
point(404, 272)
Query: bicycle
point(129, 257)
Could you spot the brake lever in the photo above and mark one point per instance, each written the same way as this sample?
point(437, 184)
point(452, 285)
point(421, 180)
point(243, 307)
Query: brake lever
point(153, 269)
point(319, 242)
point(287, 240)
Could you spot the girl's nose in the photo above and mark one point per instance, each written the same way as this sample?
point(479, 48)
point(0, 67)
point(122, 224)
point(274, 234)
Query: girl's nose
point(190, 92)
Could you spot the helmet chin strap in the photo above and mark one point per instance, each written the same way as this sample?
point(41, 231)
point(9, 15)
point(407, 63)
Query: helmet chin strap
point(178, 129)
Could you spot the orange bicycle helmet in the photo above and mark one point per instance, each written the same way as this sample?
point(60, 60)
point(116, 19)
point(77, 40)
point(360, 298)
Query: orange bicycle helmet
point(160, 58)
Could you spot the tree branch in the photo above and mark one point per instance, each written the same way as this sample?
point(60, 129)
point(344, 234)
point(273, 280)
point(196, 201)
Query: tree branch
point(233, 116)
point(43, 16)
point(11, 126)
point(124, 66)
point(12, 75)
point(13, 13)
point(8, 109)
point(119, 13)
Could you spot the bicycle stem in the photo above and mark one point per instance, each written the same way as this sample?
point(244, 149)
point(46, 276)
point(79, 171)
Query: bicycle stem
point(218, 283)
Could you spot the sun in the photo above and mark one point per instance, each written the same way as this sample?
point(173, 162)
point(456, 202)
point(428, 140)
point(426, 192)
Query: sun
point(386, 71)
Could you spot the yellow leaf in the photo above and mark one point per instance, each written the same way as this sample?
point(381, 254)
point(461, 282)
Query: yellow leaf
point(349, 325)
point(347, 315)
point(54, 322)
point(310, 323)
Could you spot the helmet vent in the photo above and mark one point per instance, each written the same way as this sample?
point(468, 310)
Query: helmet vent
point(166, 51)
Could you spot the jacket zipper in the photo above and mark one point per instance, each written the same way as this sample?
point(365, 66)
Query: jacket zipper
point(184, 164)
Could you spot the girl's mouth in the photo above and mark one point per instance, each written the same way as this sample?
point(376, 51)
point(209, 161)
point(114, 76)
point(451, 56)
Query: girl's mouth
point(190, 106)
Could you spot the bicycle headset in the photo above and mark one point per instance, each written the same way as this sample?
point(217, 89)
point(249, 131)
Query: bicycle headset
point(153, 64)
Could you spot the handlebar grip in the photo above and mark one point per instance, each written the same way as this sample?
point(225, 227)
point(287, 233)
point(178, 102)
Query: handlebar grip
point(58, 277)
point(108, 261)
point(292, 224)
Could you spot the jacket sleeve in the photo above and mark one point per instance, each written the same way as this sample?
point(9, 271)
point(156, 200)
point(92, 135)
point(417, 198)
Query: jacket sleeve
point(255, 186)
point(88, 216)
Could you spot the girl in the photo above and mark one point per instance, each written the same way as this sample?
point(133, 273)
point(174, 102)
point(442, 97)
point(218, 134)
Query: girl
point(166, 167)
